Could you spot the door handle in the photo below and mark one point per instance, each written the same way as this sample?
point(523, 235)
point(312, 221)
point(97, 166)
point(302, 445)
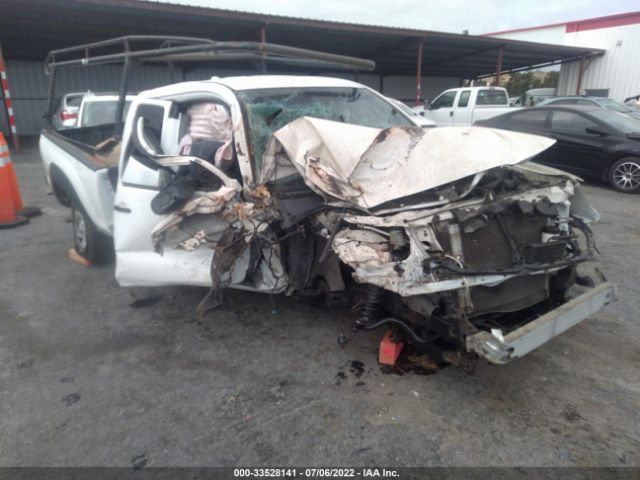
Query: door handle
point(451, 113)
point(122, 208)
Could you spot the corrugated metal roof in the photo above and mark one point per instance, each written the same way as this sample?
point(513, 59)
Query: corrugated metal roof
point(30, 28)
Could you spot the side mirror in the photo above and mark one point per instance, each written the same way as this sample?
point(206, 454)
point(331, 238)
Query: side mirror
point(596, 131)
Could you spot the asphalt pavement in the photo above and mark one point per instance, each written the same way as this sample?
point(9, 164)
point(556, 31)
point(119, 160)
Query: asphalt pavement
point(93, 374)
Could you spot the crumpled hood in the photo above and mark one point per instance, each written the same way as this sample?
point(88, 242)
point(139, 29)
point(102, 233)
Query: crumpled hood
point(371, 166)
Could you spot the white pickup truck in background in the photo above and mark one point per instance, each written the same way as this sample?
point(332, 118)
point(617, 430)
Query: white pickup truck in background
point(465, 106)
point(100, 109)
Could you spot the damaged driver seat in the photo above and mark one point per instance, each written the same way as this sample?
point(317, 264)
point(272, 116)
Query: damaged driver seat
point(209, 137)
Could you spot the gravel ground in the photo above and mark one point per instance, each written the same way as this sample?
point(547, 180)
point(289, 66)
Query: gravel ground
point(86, 379)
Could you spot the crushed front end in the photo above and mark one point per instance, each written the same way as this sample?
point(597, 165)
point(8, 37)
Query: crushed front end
point(460, 251)
point(474, 276)
point(448, 236)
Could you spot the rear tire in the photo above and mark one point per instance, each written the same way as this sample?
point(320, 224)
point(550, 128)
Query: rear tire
point(88, 241)
point(624, 175)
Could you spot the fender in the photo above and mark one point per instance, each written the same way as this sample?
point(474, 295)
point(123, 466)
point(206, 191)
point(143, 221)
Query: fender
point(61, 186)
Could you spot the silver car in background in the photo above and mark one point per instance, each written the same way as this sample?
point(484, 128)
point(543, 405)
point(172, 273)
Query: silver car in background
point(67, 111)
point(601, 102)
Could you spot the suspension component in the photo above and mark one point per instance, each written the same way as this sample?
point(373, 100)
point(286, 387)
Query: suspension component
point(370, 307)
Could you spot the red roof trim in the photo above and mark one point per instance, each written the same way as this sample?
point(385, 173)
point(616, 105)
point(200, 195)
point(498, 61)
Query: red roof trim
point(604, 22)
point(525, 29)
point(617, 20)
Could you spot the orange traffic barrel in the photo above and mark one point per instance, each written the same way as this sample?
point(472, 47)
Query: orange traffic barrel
point(10, 173)
point(8, 217)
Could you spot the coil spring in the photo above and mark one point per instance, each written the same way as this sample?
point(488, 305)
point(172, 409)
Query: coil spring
point(370, 306)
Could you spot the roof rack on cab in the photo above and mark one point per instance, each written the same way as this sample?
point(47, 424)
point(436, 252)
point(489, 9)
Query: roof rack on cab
point(151, 48)
point(170, 50)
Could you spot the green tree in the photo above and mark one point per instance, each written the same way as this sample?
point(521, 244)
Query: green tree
point(520, 82)
point(551, 79)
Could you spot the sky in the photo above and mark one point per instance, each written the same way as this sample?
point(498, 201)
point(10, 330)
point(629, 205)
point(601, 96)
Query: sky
point(477, 16)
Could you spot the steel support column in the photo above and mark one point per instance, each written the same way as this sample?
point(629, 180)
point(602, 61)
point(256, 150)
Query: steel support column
point(580, 70)
point(419, 73)
point(584, 64)
point(263, 40)
point(499, 65)
point(172, 70)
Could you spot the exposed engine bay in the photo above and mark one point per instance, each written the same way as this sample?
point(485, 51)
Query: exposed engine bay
point(441, 234)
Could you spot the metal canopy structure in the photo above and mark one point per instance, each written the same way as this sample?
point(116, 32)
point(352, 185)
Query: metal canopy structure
point(31, 28)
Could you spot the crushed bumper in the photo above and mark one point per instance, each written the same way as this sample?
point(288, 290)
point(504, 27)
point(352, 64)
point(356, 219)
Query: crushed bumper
point(500, 349)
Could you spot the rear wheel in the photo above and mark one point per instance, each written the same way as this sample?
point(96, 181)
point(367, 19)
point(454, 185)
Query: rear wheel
point(89, 242)
point(624, 175)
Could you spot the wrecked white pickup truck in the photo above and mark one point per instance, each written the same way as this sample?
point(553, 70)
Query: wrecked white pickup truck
point(317, 187)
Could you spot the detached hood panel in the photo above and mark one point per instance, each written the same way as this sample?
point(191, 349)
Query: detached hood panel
point(370, 166)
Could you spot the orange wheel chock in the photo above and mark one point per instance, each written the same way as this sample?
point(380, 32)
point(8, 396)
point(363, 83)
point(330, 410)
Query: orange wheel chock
point(389, 350)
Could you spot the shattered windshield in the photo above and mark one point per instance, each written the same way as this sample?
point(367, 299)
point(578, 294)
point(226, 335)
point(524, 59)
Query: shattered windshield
point(270, 109)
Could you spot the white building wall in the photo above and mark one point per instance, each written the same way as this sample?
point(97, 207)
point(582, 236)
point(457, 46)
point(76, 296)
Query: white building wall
point(618, 70)
point(554, 35)
point(568, 79)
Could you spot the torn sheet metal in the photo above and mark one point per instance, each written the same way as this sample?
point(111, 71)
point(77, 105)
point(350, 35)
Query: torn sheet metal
point(368, 166)
point(229, 251)
point(545, 171)
point(193, 243)
point(484, 235)
point(244, 254)
point(366, 244)
point(368, 254)
point(200, 203)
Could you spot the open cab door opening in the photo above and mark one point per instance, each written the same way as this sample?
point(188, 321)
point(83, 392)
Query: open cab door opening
point(180, 219)
point(147, 192)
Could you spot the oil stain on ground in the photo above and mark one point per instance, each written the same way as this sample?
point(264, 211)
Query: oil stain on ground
point(356, 368)
point(412, 362)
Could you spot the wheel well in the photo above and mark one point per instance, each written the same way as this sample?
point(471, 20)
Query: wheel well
point(61, 186)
